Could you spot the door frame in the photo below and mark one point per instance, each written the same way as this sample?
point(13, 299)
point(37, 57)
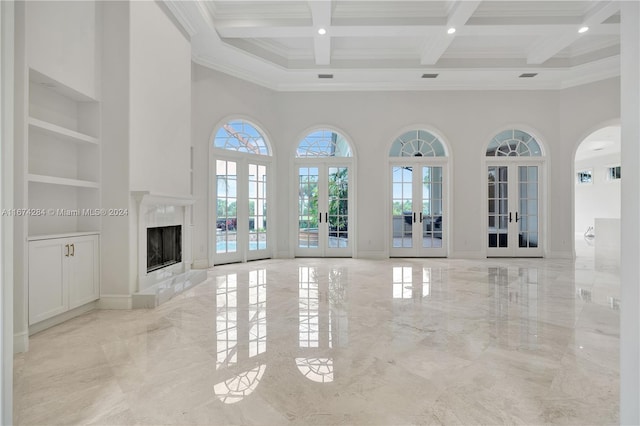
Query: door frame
point(294, 163)
point(242, 160)
point(324, 163)
point(419, 162)
point(542, 201)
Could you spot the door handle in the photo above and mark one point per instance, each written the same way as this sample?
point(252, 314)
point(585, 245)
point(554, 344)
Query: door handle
point(510, 219)
point(326, 217)
point(516, 217)
point(320, 217)
point(73, 249)
point(420, 217)
point(414, 217)
point(66, 253)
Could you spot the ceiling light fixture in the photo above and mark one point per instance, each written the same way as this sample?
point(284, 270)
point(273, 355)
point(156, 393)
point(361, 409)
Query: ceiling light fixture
point(429, 75)
point(322, 31)
point(583, 30)
point(528, 74)
point(451, 30)
point(325, 75)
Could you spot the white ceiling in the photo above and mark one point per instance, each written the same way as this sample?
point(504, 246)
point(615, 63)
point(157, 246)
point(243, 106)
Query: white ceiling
point(389, 45)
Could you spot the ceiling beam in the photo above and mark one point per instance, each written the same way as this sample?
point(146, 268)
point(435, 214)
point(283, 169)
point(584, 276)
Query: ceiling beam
point(461, 11)
point(548, 47)
point(321, 17)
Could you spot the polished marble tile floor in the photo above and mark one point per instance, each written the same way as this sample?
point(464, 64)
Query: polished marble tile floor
point(343, 341)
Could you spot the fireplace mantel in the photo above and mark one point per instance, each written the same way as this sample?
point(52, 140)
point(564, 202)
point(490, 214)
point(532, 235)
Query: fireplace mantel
point(155, 210)
point(148, 197)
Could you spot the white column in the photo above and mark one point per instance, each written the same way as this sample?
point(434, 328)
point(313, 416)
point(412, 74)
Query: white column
point(630, 216)
point(6, 201)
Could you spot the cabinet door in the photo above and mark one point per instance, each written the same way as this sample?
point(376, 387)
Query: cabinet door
point(47, 279)
point(83, 271)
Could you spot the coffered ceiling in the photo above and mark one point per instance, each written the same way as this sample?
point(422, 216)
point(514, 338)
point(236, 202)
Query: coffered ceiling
point(405, 45)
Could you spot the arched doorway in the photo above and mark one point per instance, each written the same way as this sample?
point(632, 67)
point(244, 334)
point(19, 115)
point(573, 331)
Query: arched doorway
point(597, 192)
point(419, 218)
point(241, 160)
point(515, 173)
point(325, 183)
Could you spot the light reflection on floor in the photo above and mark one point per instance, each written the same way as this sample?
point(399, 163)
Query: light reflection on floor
point(343, 341)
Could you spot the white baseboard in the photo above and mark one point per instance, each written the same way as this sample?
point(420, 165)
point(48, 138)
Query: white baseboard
point(372, 254)
point(20, 342)
point(200, 264)
point(467, 255)
point(560, 255)
point(114, 301)
point(59, 319)
point(283, 255)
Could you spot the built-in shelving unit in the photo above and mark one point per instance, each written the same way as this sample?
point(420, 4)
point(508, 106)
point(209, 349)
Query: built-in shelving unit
point(63, 158)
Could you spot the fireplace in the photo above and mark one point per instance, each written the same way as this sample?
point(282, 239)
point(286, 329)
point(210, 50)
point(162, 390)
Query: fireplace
point(164, 246)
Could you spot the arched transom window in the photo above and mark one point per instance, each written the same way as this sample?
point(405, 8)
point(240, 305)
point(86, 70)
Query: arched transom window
point(514, 143)
point(323, 143)
point(241, 136)
point(417, 143)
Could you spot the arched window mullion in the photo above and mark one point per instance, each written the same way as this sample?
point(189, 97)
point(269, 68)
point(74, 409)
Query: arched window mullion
point(241, 136)
point(417, 143)
point(323, 144)
point(514, 143)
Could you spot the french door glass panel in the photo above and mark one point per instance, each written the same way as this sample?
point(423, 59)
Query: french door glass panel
point(257, 207)
point(528, 197)
point(402, 207)
point(338, 212)
point(513, 210)
point(431, 216)
point(241, 211)
point(226, 206)
point(323, 210)
point(308, 213)
point(417, 210)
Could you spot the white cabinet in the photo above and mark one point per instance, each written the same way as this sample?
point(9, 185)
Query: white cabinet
point(63, 275)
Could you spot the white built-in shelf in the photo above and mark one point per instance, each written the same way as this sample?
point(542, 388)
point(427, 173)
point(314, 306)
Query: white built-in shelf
point(58, 87)
point(53, 180)
point(61, 132)
point(65, 235)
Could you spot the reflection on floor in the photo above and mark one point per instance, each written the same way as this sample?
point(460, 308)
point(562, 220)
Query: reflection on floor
point(342, 341)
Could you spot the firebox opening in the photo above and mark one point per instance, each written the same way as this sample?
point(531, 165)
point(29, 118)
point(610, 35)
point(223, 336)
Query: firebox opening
point(164, 246)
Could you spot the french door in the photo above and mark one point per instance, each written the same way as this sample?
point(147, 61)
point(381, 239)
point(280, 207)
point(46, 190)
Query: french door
point(324, 226)
point(418, 210)
point(513, 210)
point(240, 211)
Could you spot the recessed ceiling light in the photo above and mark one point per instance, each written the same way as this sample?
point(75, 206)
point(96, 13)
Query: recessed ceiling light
point(322, 31)
point(583, 30)
point(429, 75)
point(451, 30)
point(528, 74)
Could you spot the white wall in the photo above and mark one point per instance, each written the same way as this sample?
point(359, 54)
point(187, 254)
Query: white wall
point(630, 216)
point(466, 120)
point(62, 43)
point(599, 199)
point(114, 239)
point(160, 102)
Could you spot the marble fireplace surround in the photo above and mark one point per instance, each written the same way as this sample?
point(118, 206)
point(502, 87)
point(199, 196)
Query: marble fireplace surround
point(158, 286)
